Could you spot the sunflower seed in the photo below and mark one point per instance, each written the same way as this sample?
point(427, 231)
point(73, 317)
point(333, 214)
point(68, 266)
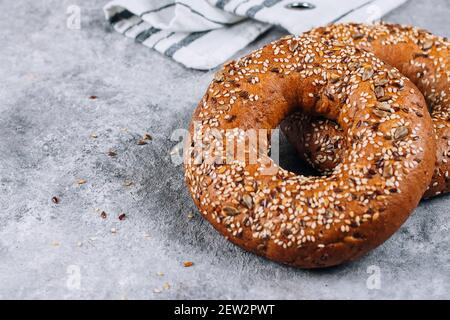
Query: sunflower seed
point(392, 74)
point(247, 200)
point(219, 76)
point(230, 211)
point(419, 114)
point(275, 70)
point(244, 94)
point(354, 65)
point(383, 106)
point(401, 132)
point(427, 45)
point(368, 73)
point(379, 92)
point(357, 36)
point(334, 77)
point(381, 82)
point(421, 55)
point(384, 99)
point(399, 83)
point(380, 113)
point(388, 171)
point(293, 46)
point(223, 107)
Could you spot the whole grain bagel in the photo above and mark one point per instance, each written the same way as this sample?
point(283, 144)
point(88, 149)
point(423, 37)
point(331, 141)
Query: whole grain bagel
point(309, 222)
point(422, 57)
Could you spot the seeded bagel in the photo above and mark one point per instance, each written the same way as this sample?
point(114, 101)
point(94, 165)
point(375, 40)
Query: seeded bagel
point(422, 57)
point(309, 222)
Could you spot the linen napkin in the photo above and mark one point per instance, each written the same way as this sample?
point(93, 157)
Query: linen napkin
point(203, 34)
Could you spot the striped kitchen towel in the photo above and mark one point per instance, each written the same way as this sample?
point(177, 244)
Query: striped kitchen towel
point(203, 34)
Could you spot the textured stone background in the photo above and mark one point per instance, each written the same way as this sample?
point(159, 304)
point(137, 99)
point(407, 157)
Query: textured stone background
point(48, 73)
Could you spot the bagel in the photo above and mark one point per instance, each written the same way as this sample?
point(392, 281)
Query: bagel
point(422, 57)
point(309, 222)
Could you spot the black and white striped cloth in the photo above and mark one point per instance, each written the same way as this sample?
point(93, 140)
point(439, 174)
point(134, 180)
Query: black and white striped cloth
point(203, 34)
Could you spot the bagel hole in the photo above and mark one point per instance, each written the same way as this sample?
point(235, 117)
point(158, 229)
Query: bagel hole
point(289, 159)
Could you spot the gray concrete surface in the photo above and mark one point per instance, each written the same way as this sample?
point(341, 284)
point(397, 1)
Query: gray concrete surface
point(48, 73)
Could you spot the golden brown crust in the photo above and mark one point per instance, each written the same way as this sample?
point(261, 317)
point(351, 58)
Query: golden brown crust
point(310, 222)
point(420, 56)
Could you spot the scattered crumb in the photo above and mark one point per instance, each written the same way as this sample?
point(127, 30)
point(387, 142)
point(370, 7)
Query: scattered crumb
point(103, 215)
point(166, 286)
point(146, 235)
point(113, 230)
point(190, 216)
point(127, 183)
point(141, 142)
point(79, 244)
point(93, 238)
point(81, 181)
point(93, 97)
point(55, 200)
point(188, 264)
point(94, 136)
point(56, 244)
point(159, 273)
point(156, 290)
point(122, 216)
point(112, 153)
point(147, 136)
